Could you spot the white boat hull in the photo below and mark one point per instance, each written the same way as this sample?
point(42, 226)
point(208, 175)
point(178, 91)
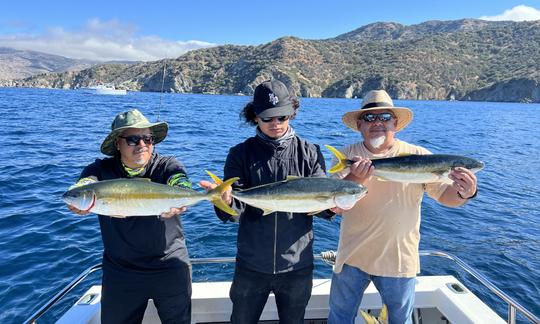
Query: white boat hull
point(108, 91)
point(437, 298)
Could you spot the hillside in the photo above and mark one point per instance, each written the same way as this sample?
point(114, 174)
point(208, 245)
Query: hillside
point(16, 64)
point(463, 60)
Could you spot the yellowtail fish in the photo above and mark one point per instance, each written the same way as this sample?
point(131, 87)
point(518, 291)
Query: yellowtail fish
point(381, 319)
point(140, 197)
point(413, 168)
point(301, 195)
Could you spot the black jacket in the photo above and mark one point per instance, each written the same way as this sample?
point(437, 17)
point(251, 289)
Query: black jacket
point(278, 242)
point(141, 244)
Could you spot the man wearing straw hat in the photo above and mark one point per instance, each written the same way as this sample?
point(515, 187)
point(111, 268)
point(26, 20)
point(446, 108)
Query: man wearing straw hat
point(143, 257)
point(380, 235)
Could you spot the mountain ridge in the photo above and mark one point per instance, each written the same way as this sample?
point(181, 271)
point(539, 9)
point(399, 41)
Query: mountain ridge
point(467, 59)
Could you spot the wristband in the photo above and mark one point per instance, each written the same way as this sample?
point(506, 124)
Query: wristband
point(471, 197)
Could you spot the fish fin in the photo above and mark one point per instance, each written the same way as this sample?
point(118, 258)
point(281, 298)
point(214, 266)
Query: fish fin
point(314, 213)
point(219, 203)
point(381, 178)
point(342, 164)
point(215, 195)
point(369, 319)
point(267, 211)
point(291, 177)
point(383, 315)
point(214, 177)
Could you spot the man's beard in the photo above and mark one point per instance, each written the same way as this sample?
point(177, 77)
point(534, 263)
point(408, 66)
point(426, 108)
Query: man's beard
point(140, 160)
point(377, 142)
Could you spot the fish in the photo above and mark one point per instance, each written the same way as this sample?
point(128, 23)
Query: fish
point(301, 194)
point(140, 197)
point(381, 319)
point(413, 168)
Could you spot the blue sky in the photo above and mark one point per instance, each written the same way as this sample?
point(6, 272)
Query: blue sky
point(148, 30)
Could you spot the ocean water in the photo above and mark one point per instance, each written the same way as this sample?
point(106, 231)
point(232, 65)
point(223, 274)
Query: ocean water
point(50, 135)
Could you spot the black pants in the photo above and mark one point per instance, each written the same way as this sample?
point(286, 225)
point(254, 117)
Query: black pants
point(124, 296)
point(250, 290)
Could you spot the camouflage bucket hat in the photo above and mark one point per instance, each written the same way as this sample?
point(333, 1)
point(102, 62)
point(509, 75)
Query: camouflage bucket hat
point(131, 119)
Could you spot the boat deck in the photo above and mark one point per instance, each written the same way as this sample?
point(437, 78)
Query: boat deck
point(439, 299)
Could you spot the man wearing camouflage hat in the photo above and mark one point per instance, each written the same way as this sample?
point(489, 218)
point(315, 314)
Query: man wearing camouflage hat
point(144, 257)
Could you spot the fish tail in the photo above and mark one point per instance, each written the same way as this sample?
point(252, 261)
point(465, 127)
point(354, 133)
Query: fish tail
point(215, 194)
point(214, 177)
point(382, 318)
point(383, 315)
point(342, 160)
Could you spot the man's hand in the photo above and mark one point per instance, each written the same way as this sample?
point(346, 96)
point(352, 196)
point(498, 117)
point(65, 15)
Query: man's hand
point(174, 211)
point(226, 195)
point(464, 182)
point(77, 211)
point(361, 170)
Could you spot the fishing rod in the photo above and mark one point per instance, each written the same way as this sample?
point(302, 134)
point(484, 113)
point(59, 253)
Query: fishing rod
point(162, 85)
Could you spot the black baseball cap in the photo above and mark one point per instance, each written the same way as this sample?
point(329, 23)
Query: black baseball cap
point(271, 99)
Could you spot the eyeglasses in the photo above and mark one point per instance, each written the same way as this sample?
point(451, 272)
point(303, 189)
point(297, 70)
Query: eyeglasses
point(133, 140)
point(370, 117)
point(279, 118)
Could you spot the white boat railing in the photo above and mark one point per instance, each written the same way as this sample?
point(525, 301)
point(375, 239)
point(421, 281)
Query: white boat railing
point(328, 257)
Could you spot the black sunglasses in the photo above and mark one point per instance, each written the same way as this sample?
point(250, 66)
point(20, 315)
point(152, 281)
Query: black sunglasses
point(370, 117)
point(279, 118)
point(133, 140)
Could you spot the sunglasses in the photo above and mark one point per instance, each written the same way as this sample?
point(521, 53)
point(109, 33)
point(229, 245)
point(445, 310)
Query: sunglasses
point(279, 118)
point(384, 117)
point(133, 140)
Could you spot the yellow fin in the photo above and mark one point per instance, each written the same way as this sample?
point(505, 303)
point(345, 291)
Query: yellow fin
point(314, 213)
point(383, 315)
point(341, 158)
point(267, 211)
point(214, 177)
point(382, 318)
point(219, 203)
point(291, 177)
point(215, 194)
point(369, 319)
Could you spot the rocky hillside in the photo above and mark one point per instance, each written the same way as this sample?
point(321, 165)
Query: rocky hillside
point(17, 64)
point(463, 60)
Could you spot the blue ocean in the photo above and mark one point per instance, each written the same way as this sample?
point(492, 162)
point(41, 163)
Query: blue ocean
point(50, 135)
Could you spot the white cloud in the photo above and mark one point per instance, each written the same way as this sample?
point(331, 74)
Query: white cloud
point(518, 13)
point(102, 41)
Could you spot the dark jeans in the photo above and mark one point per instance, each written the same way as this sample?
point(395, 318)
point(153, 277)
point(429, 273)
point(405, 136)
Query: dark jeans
point(124, 296)
point(250, 290)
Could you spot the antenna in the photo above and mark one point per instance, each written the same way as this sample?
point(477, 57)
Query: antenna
point(162, 84)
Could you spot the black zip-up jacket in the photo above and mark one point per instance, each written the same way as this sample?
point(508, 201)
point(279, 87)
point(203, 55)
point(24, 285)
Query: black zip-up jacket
point(278, 242)
point(141, 244)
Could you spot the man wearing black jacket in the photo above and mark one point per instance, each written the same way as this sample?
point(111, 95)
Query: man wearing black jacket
point(144, 257)
point(275, 252)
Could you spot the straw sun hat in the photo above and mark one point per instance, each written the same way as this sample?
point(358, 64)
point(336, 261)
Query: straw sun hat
point(377, 100)
point(132, 119)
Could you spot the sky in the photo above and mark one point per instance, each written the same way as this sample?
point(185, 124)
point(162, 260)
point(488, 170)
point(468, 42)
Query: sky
point(155, 29)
